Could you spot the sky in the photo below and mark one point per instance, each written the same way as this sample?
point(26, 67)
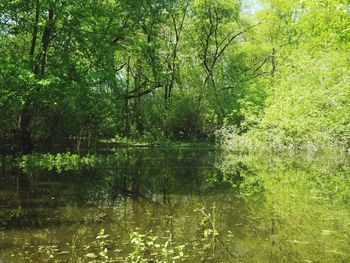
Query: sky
point(252, 6)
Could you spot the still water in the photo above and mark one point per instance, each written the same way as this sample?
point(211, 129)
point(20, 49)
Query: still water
point(193, 204)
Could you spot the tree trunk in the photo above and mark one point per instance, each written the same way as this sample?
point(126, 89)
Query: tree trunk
point(273, 61)
point(25, 139)
point(35, 33)
point(126, 103)
point(26, 142)
point(45, 41)
point(126, 118)
point(139, 121)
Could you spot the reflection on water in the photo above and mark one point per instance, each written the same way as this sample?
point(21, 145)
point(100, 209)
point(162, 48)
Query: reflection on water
point(174, 205)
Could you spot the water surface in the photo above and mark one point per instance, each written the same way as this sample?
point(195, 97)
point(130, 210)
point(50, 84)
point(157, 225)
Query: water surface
point(194, 204)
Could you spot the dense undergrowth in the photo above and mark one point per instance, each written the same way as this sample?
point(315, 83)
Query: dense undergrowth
point(276, 73)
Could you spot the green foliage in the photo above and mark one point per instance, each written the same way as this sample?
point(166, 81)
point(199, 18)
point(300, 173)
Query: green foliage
point(311, 105)
point(306, 99)
point(75, 73)
point(148, 248)
point(33, 164)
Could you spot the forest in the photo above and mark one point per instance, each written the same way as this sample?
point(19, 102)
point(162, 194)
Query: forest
point(167, 131)
point(80, 72)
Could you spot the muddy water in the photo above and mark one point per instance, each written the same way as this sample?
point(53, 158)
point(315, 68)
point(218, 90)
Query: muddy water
point(174, 205)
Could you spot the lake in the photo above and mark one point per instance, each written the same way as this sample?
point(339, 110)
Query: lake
point(178, 204)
